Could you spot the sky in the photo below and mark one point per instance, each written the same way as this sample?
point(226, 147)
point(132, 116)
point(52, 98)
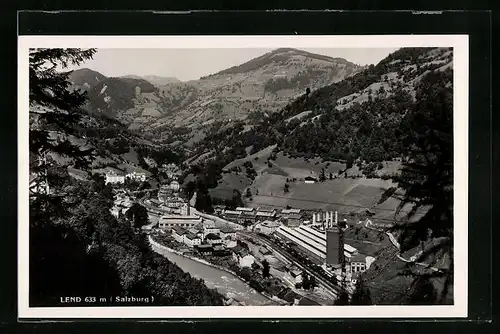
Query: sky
point(191, 64)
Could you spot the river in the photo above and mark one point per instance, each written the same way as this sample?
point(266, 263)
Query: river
point(214, 278)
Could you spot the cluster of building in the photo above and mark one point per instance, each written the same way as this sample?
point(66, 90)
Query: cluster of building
point(171, 170)
point(167, 191)
point(290, 217)
point(115, 176)
point(121, 204)
point(205, 238)
point(323, 243)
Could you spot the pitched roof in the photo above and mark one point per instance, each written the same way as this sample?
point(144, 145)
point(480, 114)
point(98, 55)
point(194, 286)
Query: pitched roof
point(358, 258)
point(236, 248)
point(226, 230)
point(240, 208)
point(212, 236)
point(179, 230)
point(191, 236)
point(204, 246)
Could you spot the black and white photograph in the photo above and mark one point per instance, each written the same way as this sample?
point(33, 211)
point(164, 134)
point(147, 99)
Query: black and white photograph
point(190, 177)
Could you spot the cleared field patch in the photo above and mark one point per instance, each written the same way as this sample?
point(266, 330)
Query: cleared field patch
point(300, 168)
point(299, 116)
point(228, 183)
point(131, 156)
point(261, 157)
point(342, 195)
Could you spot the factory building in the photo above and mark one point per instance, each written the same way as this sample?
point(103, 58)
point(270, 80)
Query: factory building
point(322, 247)
point(170, 221)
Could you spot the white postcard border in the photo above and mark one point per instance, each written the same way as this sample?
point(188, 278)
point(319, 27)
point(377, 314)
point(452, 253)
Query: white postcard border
point(460, 43)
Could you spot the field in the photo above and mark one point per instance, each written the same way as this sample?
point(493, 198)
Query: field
point(261, 156)
point(344, 195)
point(229, 182)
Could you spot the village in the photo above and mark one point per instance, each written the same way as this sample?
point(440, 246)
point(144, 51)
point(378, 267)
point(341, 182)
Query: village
point(291, 254)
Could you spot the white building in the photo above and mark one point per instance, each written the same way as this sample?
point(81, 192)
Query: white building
point(267, 227)
point(261, 216)
point(178, 233)
point(226, 232)
point(192, 240)
point(136, 176)
point(243, 209)
point(357, 263)
point(114, 178)
point(175, 186)
point(213, 239)
point(171, 221)
point(210, 229)
point(185, 209)
point(310, 180)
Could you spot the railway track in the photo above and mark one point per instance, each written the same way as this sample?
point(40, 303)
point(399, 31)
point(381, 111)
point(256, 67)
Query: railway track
point(335, 290)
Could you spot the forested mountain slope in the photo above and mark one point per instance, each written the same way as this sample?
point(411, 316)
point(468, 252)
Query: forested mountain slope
point(77, 248)
point(397, 113)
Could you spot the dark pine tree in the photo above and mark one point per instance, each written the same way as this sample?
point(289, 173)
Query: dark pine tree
point(137, 215)
point(361, 295)
point(427, 174)
point(265, 269)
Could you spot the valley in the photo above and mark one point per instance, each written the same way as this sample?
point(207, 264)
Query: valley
point(289, 130)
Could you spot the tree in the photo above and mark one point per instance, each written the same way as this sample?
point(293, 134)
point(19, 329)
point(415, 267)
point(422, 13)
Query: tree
point(49, 88)
point(248, 193)
point(308, 91)
point(265, 269)
point(322, 176)
point(306, 283)
point(427, 173)
point(361, 295)
point(287, 188)
point(137, 215)
point(331, 176)
point(312, 282)
point(343, 299)
point(349, 162)
point(423, 293)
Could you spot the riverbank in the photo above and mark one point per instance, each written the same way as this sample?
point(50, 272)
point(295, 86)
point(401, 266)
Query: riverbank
point(157, 246)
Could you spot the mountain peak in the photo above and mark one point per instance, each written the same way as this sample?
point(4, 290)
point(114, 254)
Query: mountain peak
point(86, 78)
point(282, 56)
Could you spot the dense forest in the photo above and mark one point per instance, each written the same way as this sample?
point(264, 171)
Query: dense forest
point(123, 91)
point(370, 132)
point(77, 248)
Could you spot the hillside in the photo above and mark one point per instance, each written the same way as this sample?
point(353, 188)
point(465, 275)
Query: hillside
point(357, 125)
point(386, 136)
point(154, 79)
point(85, 78)
point(262, 85)
point(76, 246)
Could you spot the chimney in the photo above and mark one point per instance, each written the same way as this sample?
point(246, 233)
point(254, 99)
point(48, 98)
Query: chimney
point(314, 218)
point(336, 218)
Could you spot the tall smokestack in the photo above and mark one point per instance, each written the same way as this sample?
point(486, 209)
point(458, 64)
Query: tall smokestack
point(314, 218)
point(336, 218)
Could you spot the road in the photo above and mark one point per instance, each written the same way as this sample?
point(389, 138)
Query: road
point(413, 259)
point(335, 290)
